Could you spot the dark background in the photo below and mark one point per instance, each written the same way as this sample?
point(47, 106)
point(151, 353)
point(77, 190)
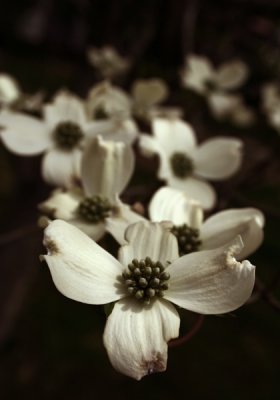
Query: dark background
point(50, 346)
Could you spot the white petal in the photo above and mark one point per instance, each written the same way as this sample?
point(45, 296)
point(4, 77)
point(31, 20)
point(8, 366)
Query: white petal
point(61, 204)
point(196, 189)
point(94, 231)
point(147, 239)
point(218, 158)
point(169, 204)
point(118, 223)
point(106, 167)
point(174, 135)
point(211, 281)
point(148, 92)
point(61, 168)
point(231, 75)
point(9, 89)
point(226, 225)
point(136, 337)
point(148, 145)
point(80, 268)
point(65, 107)
point(121, 130)
point(24, 135)
point(198, 70)
point(223, 105)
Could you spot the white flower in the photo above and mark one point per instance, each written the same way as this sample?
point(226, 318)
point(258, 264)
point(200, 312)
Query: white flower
point(215, 84)
point(60, 136)
point(148, 277)
point(193, 234)
point(108, 61)
point(185, 165)
point(106, 169)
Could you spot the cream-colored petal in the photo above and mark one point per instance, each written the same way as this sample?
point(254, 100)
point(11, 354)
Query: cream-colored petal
point(62, 168)
point(117, 224)
point(94, 231)
point(231, 75)
point(173, 205)
point(9, 89)
point(114, 129)
point(198, 70)
point(196, 189)
point(148, 92)
point(211, 281)
point(106, 167)
point(224, 226)
point(223, 105)
point(23, 135)
point(174, 135)
point(218, 158)
point(65, 107)
point(136, 336)
point(147, 239)
point(61, 204)
point(80, 268)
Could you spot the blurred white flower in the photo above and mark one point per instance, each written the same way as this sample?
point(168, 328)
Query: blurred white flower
point(270, 95)
point(193, 234)
point(215, 84)
point(148, 277)
point(106, 168)
point(185, 165)
point(108, 61)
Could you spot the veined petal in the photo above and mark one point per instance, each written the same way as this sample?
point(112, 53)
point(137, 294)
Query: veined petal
point(231, 75)
point(94, 231)
point(169, 204)
point(196, 189)
point(61, 204)
point(224, 226)
point(197, 71)
point(218, 158)
point(136, 337)
point(118, 223)
point(80, 268)
point(65, 107)
point(147, 239)
point(174, 135)
point(62, 168)
point(211, 281)
point(24, 135)
point(106, 167)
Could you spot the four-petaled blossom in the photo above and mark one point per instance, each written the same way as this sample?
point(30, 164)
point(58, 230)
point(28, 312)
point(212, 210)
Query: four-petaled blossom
point(146, 279)
point(185, 165)
point(106, 168)
point(215, 84)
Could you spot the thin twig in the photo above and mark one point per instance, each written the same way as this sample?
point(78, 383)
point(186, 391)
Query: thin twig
point(184, 339)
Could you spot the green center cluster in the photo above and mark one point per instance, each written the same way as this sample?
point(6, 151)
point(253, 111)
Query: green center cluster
point(95, 209)
point(67, 134)
point(182, 165)
point(188, 239)
point(145, 279)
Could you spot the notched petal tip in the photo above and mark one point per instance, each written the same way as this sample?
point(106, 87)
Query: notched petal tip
point(156, 363)
point(51, 246)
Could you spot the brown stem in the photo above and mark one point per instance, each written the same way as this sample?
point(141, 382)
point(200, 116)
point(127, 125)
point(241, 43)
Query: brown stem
point(184, 339)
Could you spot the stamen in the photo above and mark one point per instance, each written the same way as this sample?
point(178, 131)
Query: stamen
point(187, 237)
point(182, 165)
point(67, 134)
point(145, 279)
point(95, 209)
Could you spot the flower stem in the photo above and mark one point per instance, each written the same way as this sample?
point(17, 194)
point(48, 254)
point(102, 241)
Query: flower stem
point(184, 339)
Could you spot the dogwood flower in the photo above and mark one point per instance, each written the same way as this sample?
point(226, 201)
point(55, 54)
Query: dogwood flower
point(185, 165)
point(146, 279)
point(108, 61)
point(106, 168)
point(60, 136)
point(193, 234)
point(215, 84)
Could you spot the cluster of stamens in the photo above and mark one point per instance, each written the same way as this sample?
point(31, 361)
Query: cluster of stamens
point(145, 279)
point(188, 239)
point(182, 165)
point(95, 209)
point(67, 134)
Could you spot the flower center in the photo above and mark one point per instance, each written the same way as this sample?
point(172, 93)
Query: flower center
point(100, 113)
point(188, 239)
point(182, 166)
point(210, 85)
point(145, 279)
point(94, 209)
point(67, 134)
